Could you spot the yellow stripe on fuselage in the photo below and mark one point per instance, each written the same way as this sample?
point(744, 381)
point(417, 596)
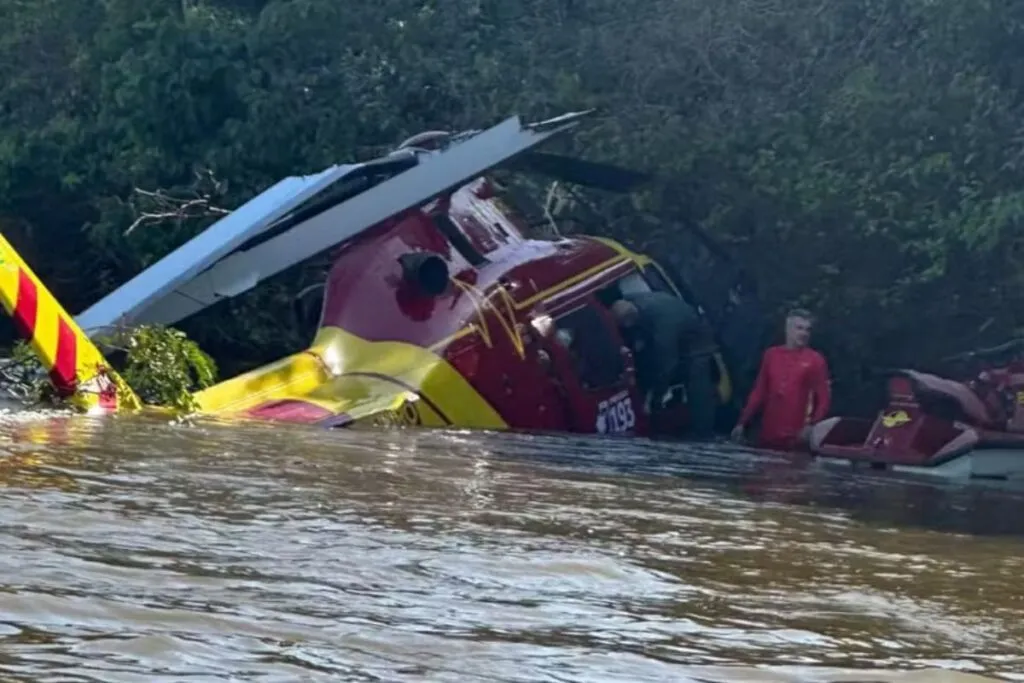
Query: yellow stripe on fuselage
point(536, 298)
point(343, 373)
point(294, 376)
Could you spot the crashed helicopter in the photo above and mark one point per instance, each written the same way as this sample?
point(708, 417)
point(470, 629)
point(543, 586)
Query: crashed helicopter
point(438, 309)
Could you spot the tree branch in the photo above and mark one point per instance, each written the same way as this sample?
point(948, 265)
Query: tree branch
point(159, 206)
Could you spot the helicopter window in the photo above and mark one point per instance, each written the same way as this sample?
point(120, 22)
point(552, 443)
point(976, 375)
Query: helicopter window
point(609, 295)
point(634, 283)
point(458, 239)
point(594, 350)
point(500, 229)
point(657, 281)
point(631, 284)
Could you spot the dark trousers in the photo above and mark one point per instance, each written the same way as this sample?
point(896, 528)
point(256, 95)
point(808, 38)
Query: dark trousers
point(701, 396)
point(694, 373)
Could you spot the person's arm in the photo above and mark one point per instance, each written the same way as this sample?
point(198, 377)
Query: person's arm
point(822, 389)
point(757, 395)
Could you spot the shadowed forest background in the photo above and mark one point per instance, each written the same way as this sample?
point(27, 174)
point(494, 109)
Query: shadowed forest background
point(864, 159)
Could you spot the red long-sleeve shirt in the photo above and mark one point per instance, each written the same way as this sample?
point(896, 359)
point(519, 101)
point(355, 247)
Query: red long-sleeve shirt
point(786, 384)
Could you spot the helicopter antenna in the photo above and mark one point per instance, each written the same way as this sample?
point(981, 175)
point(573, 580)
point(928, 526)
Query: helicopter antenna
point(553, 203)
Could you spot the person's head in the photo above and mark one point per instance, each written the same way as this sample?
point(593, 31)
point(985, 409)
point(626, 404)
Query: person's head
point(799, 323)
point(625, 312)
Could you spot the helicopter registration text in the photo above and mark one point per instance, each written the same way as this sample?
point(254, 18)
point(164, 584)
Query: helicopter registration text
point(615, 415)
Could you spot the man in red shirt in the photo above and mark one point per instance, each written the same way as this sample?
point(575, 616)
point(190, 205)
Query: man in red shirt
point(792, 389)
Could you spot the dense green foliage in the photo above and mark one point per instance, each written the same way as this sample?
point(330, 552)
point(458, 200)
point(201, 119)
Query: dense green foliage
point(162, 365)
point(863, 158)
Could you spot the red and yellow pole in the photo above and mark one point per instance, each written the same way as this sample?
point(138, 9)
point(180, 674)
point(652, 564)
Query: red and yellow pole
point(77, 369)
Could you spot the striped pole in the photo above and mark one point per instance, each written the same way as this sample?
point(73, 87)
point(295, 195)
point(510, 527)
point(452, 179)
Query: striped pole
point(77, 369)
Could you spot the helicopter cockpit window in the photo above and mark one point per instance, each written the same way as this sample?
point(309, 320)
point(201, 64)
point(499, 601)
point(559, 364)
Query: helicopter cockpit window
point(634, 283)
point(594, 350)
point(457, 238)
point(657, 281)
point(631, 284)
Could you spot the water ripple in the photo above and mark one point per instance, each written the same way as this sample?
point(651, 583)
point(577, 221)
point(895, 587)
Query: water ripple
point(141, 551)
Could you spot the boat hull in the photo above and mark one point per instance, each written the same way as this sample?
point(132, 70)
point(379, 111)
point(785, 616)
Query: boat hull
point(915, 442)
point(1000, 464)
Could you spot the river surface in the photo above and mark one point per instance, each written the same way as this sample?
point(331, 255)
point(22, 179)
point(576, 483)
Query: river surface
point(135, 550)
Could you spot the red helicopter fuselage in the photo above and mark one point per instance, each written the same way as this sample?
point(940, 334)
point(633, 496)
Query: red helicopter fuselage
point(456, 285)
point(438, 309)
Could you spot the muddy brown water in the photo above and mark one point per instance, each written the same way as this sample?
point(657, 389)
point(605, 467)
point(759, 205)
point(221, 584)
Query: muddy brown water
point(135, 550)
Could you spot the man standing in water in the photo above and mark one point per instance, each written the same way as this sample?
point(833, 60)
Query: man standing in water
point(671, 343)
point(791, 377)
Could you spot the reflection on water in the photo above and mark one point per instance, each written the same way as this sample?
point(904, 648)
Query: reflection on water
point(140, 551)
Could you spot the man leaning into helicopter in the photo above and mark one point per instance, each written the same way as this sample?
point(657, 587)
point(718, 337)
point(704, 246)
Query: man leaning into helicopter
point(669, 337)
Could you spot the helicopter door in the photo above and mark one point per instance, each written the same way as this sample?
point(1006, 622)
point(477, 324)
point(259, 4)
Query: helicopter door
point(596, 372)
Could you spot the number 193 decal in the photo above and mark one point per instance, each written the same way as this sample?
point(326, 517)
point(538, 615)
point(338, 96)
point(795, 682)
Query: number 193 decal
point(615, 415)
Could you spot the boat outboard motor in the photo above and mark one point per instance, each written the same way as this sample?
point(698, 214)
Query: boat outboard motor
point(426, 271)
